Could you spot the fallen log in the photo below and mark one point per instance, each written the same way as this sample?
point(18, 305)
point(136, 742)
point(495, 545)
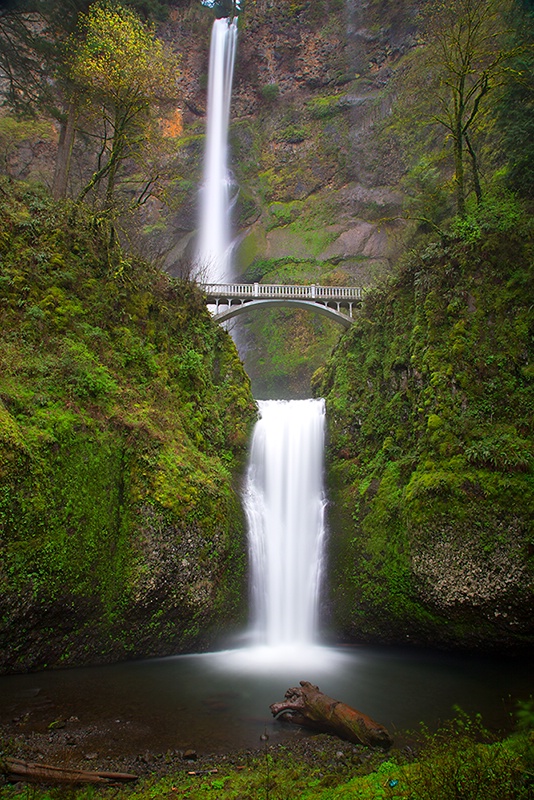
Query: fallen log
point(16, 770)
point(309, 707)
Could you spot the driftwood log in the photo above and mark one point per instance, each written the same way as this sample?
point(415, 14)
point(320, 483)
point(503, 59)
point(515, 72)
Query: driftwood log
point(309, 707)
point(17, 770)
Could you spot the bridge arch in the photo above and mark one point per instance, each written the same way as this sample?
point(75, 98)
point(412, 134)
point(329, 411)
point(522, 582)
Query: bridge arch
point(319, 308)
point(326, 300)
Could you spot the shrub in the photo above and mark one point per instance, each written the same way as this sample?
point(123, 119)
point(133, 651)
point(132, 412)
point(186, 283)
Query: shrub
point(458, 761)
point(270, 91)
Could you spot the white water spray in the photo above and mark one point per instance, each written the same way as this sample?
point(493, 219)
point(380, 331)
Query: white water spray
point(285, 505)
point(213, 257)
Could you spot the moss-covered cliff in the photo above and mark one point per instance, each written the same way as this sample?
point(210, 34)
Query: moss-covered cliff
point(124, 415)
point(336, 147)
point(317, 189)
point(430, 457)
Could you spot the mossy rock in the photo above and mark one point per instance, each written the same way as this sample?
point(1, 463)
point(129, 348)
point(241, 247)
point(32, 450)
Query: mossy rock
point(124, 420)
point(430, 447)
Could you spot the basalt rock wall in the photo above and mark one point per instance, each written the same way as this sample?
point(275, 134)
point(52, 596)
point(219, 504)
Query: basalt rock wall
point(318, 184)
point(318, 178)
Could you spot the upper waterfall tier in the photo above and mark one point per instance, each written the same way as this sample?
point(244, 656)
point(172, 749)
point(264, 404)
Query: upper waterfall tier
point(213, 257)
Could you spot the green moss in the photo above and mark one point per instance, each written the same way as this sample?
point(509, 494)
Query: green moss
point(270, 91)
point(252, 246)
point(327, 106)
point(123, 409)
point(430, 446)
point(284, 213)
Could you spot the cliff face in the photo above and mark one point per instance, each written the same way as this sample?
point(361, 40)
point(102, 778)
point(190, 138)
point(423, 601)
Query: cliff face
point(124, 418)
point(311, 80)
point(318, 180)
point(124, 412)
point(430, 400)
point(317, 184)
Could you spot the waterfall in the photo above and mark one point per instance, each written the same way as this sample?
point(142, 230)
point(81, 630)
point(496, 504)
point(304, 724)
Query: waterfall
point(213, 256)
point(284, 503)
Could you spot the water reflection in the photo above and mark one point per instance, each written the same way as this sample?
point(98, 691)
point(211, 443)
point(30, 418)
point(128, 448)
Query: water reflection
point(220, 701)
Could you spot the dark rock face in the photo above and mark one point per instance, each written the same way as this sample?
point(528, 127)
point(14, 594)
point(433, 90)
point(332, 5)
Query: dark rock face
point(171, 608)
point(451, 573)
point(304, 109)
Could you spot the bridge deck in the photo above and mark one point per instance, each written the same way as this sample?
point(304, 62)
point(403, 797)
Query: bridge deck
point(276, 291)
point(236, 298)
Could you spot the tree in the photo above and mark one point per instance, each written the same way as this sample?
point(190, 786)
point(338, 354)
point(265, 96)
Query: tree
point(33, 34)
point(465, 54)
point(26, 55)
point(225, 8)
point(119, 65)
point(36, 48)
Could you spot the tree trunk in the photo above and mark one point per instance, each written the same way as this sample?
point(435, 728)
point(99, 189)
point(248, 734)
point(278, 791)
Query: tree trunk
point(459, 174)
point(309, 707)
point(457, 131)
point(112, 174)
point(118, 150)
point(474, 167)
point(64, 152)
point(18, 770)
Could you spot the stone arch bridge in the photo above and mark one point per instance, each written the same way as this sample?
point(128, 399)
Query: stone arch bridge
point(336, 302)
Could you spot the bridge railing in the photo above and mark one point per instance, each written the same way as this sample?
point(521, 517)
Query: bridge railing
point(250, 291)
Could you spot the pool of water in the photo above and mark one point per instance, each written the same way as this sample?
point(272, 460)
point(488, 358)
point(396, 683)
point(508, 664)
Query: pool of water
point(217, 702)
